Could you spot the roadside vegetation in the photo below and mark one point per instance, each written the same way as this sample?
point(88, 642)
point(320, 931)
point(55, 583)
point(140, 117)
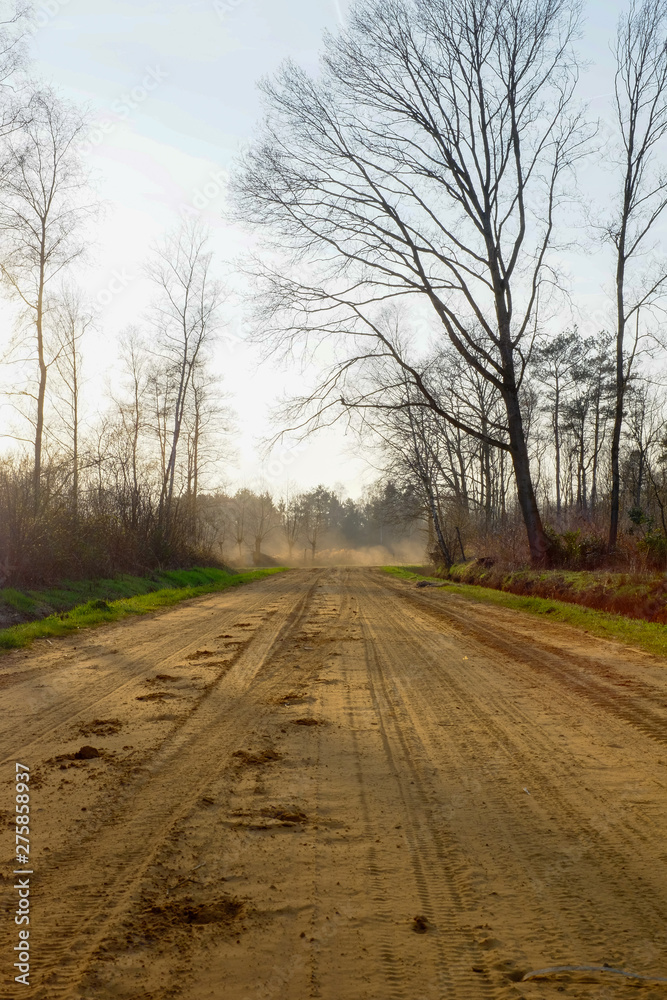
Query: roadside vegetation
point(649, 636)
point(634, 595)
point(107, 601)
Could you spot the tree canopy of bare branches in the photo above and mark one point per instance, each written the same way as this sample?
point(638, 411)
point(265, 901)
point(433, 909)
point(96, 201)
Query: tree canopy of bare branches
point(41, 215)
point(641, 110)
point(185, 320)
point(427, 163)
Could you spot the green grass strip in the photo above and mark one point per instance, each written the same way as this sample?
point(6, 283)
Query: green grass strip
point(70, 594)
point(99, 612)
point(649, 636)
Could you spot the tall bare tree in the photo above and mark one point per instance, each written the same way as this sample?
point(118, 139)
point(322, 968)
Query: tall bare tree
point(429, 162)
point(641, 107)
point(70, 322)
point(132, 420)
point(241, 505)
point(185, 320)
point(41, 217)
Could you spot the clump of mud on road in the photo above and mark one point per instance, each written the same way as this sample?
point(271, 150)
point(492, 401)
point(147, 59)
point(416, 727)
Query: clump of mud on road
point(222, 911)
point(100, 727)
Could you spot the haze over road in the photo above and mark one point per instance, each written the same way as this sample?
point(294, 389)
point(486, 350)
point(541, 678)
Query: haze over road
point(331, 784)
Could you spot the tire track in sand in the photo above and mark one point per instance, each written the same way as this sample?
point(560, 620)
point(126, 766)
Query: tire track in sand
point(79, 697)
point(554, 885)
point(89, 887)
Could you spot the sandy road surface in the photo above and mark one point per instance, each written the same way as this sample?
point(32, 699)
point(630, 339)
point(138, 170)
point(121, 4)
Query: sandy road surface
point(331, 784)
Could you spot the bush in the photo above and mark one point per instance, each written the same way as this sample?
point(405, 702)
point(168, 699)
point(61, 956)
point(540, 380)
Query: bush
point(107, 533)
point(574, 551)
point(654, 544)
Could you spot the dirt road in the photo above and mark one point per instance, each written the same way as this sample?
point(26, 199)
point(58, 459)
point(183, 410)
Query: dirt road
point(332, 784)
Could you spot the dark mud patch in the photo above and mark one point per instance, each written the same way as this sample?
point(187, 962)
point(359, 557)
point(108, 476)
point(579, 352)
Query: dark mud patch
point(100, 727)
point(293, 698)
point(307, 722)
point(256, 757)
point(224, 912)
point(200, 654)
point(156, 696)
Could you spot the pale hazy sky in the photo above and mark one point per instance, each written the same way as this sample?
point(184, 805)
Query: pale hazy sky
point(172, 90)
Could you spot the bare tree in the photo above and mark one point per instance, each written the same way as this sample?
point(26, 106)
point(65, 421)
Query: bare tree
point(241, 503)
point(207, 425)
point(429, 162)
point(70, 322)
point(132, 421)
point(185, 318)
point(290, 514)
point(641, 106)
point(420, 456)
point(41, 215)
point(262, 520)
point(314, 516)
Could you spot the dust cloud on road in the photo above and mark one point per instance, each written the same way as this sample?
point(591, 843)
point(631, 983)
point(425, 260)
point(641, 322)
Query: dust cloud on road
point(331, 784)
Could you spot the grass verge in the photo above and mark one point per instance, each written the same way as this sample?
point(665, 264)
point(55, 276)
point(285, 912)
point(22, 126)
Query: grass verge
point(631, 595)
point(649, 636)
point(174, 586)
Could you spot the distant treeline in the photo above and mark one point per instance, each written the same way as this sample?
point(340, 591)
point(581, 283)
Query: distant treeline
point(299, 527)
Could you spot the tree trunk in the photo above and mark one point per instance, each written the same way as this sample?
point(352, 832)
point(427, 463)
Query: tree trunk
point(596, 450)
point(75, 432)
point(620, 376)
point(39, 422)
point(537, 541)
point(524, 485)
point(556, 426)
point(41, 391)
point(135, 451)
point(615, 457)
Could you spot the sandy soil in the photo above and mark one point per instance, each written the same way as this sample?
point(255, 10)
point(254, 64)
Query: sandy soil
point(332, 784)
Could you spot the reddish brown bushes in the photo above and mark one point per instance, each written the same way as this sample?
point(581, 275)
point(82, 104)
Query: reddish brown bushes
point(634, 595)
